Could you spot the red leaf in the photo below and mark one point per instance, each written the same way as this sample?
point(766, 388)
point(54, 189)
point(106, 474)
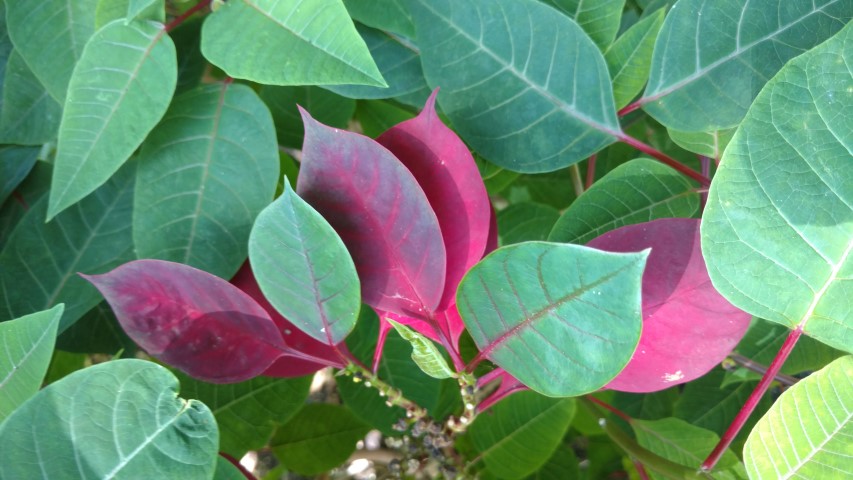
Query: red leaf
point(688, 327)
point(381, 214)
point(301, 347)
point(191, 319)
point(445, 169)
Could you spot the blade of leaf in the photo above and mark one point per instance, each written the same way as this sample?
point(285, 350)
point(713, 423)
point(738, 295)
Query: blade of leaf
point(315, 43)
point(15, 164)
point(30, 116)
point(562, 319)
point(112, 420)
point(192, 320)
point(445, 169)
point(424, 353)
point(503, 99)
point(729, 48)
point(118, 92)
point(629, 58)
point(600, 20)
point(388, 15)
point(205, 172)
point(382, 215)
point(327, 108)
point(304, 269)
point(807, 431)
point(526, 221)
point(625, 196)
point(688, 327)
point(777, 231)
point(27, 345)
point(711, 144)
point(51, 35)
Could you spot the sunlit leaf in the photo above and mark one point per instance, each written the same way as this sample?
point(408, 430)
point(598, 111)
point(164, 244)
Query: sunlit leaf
point(424, 353)
point(629, 58)
point(710, 144)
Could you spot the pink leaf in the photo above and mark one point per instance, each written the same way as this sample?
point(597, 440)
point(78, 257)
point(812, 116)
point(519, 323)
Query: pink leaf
point(304, 355)
point(445, 169)
point(507, 385)
point(191, 319)
point(381, 214)
point(688, 327)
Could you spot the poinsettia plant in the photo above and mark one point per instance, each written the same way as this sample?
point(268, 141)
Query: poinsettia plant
point(493, 238)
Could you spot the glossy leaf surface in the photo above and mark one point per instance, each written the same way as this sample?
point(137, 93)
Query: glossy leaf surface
point(27, 344)
point(445, 169)
point(304, 269)
point(629, 58)
point(319, 31)
point(625, 196)
point(688, 328)
point(112, 105)
point(534, 305)
point(518, 435)
point(712, 57)
point(424, 353)
point(119, 419)
point(191, 319)
point(503, 99)
point(382, 215)
point(807, 431)
point(780, 210)
point(205, 172)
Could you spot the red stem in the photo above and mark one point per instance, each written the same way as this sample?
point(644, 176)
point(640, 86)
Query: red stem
point(752, 401)
point(630, 108)
point(590, 171)
point(611, 408)
point(664, 158)
point(641, 470)
point(182, 17)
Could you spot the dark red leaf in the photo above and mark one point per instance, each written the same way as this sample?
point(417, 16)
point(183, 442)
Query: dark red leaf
point(191, 319)
point(445, 169)
point(381, 214)
point(688, 327)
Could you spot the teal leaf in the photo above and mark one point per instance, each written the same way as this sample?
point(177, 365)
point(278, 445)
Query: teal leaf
point(712, 58)
point(50, 35)
point(304, 269)
point(635, 192)
point(109, 10)
point(325, 106)
point(205, 173)
point(528, 99)
point(320, 437)
point(629, 58)
point(146, 10)
point(599, 19)
point(119, 91)
point(292, 43)
point(15, 163)
point(424, 353)
point(40, 261)
point(388, 15)
point(807, 432)
point(711, 144)
point(532, 306)
point(30, 115)
point(27, 345)
point(119, 419)
point(780, 210)
point(518, 435)
point(526, 221)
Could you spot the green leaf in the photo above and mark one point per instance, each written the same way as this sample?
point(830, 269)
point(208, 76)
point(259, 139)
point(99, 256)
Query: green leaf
point(119, 91)
point(30, 115)
point(319, 438)
point(388, 15)
point(685, 444)
point(326, 107)
point(15, 163)
point(50, 35)
point(629, 58)
point(424, 353)
point(248, 412)
point(225, 470)
point(807, 431)
point(304, 269)
point(40, 261)
point(518, 435)
point(712, 58)
point(119, 419)
point(205, 173)
point(599, 19)
point(146, 10)
point(109, 10)
point(378, 116)
point(98, 331)
point(526, 221)
point(532, 306)
point(27, 346)
point(563, 464)
point(777, 233)
point(528, 99)
point(292, 43)
point(635, 192)
point(710, 144)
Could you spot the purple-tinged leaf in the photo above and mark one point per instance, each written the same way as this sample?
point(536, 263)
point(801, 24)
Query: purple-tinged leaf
point(191, 319)
point(382, 215)
point(445, 169)
point(303, 355)
point(688, 327)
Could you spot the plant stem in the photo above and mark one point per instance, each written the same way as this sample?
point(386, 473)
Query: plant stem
point(590, 170)
point(743, 362)
point(664, 158)
point(394, 397)
point(752, 402)
point(630, 108)
point(180, 19)
point(577, 183)
point(611, 408)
